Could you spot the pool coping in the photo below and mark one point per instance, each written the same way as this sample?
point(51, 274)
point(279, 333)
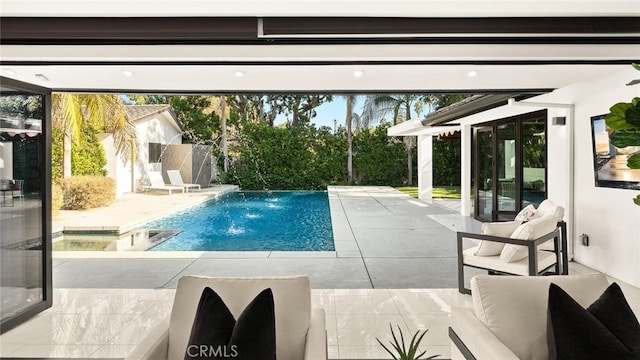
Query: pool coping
point(339, 228)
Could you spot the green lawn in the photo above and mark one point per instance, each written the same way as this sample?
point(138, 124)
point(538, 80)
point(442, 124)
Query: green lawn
point(439, 192)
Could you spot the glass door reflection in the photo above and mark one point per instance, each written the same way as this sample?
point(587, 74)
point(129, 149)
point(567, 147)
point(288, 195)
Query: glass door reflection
point(484, 175)
point(25, 286)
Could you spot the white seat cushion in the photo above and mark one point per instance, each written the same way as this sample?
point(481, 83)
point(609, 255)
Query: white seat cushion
point(291, 298)
point(521, 267)
point(515, 308)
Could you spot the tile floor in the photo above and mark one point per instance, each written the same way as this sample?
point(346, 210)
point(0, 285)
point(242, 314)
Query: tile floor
point(364, 285)
point(108, 323)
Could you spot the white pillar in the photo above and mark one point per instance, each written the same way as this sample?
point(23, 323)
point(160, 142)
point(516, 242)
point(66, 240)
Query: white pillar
point(425, 167)
point(465, 170)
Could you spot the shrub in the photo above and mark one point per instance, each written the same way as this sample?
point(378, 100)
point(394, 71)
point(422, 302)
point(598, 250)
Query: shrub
point(87, 155)
point(56, 199)
point(87, 192)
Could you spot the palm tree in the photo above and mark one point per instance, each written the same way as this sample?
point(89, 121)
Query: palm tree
point(350, 117)
point(223, 127)
point(376, 107)
point(105, 112)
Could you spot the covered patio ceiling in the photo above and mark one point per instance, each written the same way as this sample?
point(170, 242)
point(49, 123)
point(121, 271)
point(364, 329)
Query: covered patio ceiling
point(472, 46)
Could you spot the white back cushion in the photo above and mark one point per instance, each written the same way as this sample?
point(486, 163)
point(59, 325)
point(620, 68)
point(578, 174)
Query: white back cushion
point(531, 230)
point(502, 229)
point(514, 308)
point(291, 298)
point(546, 208)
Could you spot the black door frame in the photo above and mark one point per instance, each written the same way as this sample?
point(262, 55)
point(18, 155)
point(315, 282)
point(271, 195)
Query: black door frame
point(47, 264)
point(493, 125)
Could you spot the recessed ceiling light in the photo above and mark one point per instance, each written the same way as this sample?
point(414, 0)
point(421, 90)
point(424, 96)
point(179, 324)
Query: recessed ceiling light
point(358, 73)
point(239, 73)
point(127, 73)
point(8, 71)
point(42, 77)
point(472, 73)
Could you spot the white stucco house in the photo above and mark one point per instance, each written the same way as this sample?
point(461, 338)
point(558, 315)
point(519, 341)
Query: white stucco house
point(157, 126)
point(565, 118)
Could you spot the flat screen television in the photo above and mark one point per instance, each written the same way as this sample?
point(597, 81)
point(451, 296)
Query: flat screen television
point(610, 162)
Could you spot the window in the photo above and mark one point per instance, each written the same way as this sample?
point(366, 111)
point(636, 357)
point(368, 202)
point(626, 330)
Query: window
point(155, 153)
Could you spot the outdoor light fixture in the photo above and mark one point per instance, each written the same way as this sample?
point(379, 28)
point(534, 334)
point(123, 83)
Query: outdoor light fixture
point(472, 73)
point(127, 73)
point(358, 73)
point(239, 73)
point(42, 77)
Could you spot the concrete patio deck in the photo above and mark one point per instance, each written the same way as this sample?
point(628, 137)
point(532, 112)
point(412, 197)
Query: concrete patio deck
point(383, 239)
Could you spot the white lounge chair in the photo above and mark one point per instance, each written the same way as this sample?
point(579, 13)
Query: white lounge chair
point(176, 179)
point(157, 183)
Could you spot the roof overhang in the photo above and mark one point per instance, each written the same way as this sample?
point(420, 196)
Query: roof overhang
point(415, 127)
point(314, 46)
point(441, 119)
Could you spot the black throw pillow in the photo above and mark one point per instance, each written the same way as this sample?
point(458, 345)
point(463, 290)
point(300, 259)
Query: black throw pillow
point(608, 329)
point(215, 334)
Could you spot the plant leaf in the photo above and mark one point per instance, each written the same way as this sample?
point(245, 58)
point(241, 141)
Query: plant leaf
point(624, 138)
point(635, 101)
point(616, 118)
point(404, 350)
point(633, 162)
point(632, 115)
point(386, 349)
point(637, 200)
point(636, 66)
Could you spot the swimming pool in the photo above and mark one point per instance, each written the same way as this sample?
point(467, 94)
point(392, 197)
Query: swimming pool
point(252, 221)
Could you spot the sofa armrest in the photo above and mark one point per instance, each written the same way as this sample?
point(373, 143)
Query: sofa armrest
point(476, 337)
point(155, 345)
point(316, 346)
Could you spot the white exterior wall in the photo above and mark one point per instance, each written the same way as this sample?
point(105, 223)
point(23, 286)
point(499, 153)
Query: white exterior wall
point(607, 215)
point(116, 168)
point(158, 128)
point(425, 167)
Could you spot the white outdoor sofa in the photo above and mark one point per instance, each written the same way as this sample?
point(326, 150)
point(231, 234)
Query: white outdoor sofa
point(509, 316)
point(300, 330)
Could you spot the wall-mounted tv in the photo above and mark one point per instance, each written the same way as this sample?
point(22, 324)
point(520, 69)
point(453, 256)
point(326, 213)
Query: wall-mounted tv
point(610, 162)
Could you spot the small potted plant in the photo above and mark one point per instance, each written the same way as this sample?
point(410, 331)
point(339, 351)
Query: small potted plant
point(401, 351)
point(624, 120)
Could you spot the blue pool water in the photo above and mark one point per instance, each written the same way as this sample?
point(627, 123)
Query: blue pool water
point(252, 221)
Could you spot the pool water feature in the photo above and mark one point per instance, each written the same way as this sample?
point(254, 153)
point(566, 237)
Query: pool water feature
point(252, 221)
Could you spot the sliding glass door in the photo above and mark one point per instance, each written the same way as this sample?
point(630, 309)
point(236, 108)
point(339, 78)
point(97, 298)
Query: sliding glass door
point(25, 206)
point(510, 165)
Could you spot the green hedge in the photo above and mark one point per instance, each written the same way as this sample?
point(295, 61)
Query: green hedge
point(87, 155)
point(306, 158)
point(446, 162)
point(87, 192)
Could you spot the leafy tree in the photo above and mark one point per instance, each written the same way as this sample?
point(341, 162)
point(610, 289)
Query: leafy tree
point(105, 113)
point(376, 107)
point(197, 113)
